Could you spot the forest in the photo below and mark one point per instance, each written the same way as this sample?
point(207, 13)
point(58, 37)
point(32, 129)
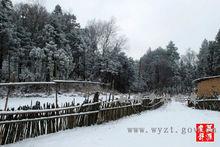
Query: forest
point(38, 45)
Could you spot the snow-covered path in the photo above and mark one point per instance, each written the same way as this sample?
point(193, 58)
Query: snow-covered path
point(112, 134)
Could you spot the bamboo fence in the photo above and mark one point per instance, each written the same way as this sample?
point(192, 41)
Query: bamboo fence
point(21, 124)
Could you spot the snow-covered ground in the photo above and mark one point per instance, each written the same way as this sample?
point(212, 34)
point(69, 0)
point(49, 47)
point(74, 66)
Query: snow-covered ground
point(77, 97)
point(173, 114)
point(28, 100)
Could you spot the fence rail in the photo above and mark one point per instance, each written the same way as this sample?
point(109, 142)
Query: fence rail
point(19, 125)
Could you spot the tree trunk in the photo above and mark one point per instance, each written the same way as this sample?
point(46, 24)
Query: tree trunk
point(9, 67)
point(1, 62)
point(84, 65)
point(19, 70)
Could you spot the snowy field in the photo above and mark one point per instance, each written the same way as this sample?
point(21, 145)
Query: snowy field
point(24, 100)
point(111, 134)
point(77, 97)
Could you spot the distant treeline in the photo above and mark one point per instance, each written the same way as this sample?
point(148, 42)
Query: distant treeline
point(37, 45)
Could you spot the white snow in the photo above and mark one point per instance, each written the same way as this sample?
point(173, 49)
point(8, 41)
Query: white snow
point(42, 98)
point(173, 114)
point(77, 97)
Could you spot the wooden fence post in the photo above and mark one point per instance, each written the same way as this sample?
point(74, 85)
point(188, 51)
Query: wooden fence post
point(1, 136)
point(6, 102)
point(56, 89)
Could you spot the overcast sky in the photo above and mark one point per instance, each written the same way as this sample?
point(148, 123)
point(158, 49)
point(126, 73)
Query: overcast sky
point(151, 23)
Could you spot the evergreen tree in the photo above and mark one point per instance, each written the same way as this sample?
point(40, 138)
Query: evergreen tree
point(50, 61)
point(56, 20)
point(37, 71)
point(217, 54)
point(173, 57)
point(203, 59)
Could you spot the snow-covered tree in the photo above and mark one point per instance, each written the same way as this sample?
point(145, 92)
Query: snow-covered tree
point(38, 56)
point(203, 59)
point(8, 41)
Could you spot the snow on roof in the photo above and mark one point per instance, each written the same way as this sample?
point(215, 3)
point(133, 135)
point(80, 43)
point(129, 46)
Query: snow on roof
point(205, 78)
